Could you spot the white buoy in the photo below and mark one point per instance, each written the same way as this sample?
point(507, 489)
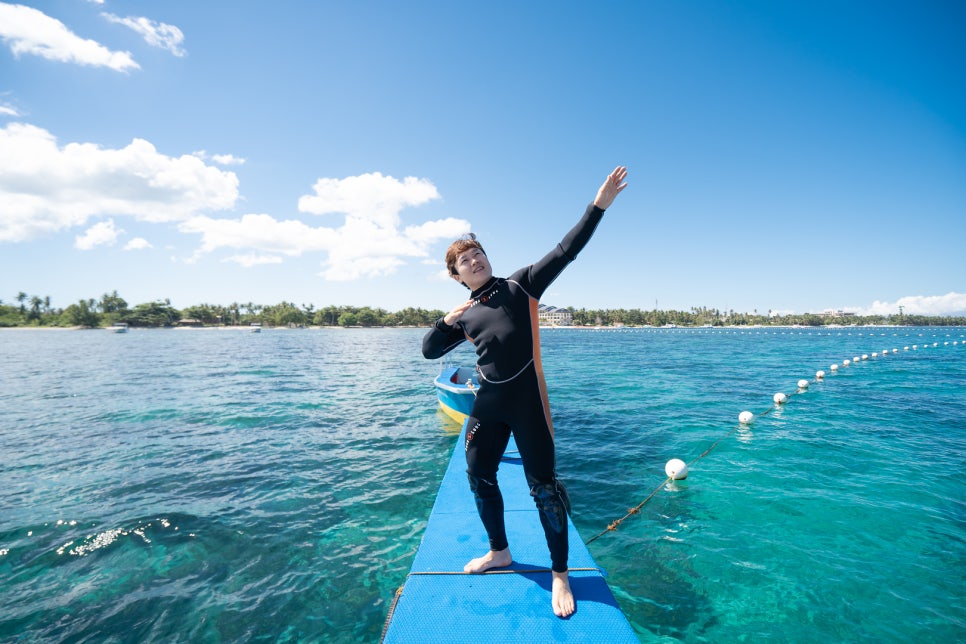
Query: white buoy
point(875, 355)
point(846, 363)
point(803, 384)
point(834, 367)
point(865, 356)
point(676, 469)
point(819, 374)
point(746, 418)
point(906, 348)
point(855, 359)
point(780, 398)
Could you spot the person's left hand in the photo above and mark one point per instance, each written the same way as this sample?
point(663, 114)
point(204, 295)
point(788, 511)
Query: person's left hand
point(612, 186)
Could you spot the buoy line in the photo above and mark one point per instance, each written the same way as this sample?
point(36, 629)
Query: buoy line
point(677, 470)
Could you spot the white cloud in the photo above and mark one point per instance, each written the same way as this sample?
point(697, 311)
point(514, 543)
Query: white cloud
point(432, 231)
point(227, 159)
point(29, 31)
point(370, 243)
point(345, 271)
point(6, 110)
point(259, 232)
point(442, 275)
point(45, 188)
point(367, 250)
point(253, 259)
point(100, 234)
point(156, 34)
point(371, 197)
point(138, 243)
point(220, 159)
point(951, 303)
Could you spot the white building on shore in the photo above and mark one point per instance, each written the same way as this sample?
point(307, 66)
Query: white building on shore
point(553, 316)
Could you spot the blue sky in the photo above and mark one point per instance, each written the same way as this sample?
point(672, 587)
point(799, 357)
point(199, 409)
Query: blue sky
point(783, 156)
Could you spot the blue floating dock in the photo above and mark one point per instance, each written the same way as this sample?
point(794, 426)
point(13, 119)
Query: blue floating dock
point(440, 603)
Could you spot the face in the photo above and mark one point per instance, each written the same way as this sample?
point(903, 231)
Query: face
point(473, 268)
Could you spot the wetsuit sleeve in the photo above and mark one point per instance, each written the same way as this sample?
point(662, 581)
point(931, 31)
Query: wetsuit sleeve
point(541, 274)
point(441, 339)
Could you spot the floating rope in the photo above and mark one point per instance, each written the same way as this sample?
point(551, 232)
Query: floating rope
point(392, 609)
point(637, 508)
point(746, 418)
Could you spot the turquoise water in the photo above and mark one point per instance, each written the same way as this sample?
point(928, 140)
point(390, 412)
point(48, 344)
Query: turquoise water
point(224, 486)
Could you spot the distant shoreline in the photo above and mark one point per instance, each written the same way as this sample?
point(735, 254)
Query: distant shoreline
point(542, 328)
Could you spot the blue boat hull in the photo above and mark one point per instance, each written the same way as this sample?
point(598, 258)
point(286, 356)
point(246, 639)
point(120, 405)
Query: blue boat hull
point(455, 396)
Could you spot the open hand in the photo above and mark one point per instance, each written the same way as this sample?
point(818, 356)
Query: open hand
point(454, 316)
point(611, 187)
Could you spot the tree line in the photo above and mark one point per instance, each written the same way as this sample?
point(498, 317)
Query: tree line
point(111, 308)
point(32, 310)
point(702, 316)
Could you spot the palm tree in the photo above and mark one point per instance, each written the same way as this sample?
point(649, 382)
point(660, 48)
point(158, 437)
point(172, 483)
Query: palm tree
point(35, 303)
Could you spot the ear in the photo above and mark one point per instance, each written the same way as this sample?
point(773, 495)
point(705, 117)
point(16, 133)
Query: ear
point(457, 278)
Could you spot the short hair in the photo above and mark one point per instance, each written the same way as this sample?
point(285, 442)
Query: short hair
point(459, 247)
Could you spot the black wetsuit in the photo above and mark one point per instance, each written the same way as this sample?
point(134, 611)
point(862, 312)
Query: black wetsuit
point(504, 327)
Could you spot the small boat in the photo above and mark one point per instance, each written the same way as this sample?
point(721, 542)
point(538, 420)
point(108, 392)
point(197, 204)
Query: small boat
point(456, 390)
point(119, 327)
point(256, 327)
point(440, 603)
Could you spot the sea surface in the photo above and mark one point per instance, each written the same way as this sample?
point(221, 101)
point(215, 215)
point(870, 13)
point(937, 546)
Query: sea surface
point(225, 486)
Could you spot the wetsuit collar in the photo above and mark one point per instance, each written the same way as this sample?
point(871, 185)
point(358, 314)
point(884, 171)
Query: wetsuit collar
point(483, 289)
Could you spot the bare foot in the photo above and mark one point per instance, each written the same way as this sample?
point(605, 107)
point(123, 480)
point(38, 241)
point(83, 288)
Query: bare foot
point(492, 559)
point(562, 597)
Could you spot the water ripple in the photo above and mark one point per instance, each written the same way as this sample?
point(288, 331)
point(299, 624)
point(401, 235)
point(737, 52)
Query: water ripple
point(225, 486)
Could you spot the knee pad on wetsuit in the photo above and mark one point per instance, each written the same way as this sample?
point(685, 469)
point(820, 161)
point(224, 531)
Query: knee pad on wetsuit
point(481, 486)
point(564, 496)
point(548, 489)
point(549, 498)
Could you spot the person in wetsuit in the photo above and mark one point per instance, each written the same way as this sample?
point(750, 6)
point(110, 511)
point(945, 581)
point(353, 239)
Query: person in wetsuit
point(500, 319)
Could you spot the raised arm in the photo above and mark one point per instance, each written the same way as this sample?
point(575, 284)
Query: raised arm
point(541, 274)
